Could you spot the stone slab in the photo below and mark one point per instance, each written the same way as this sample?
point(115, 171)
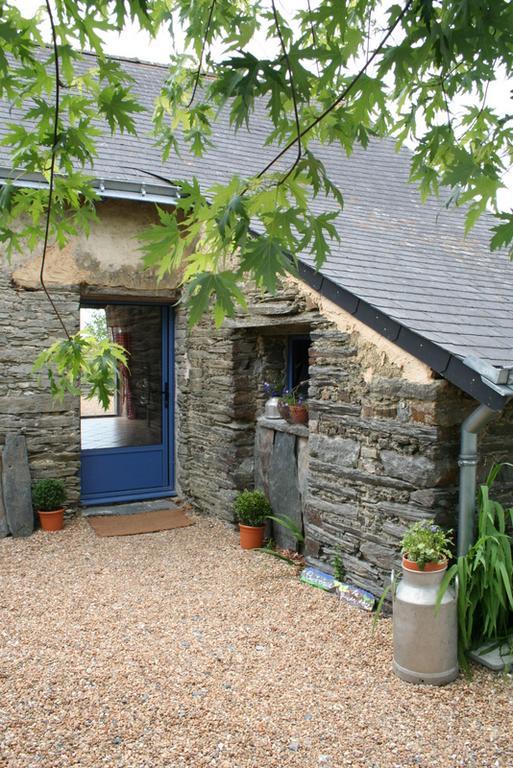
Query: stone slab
point(134, 508)
point(280, 425)
point(337, 451)
point(4, 529)
point(17, 488)
point(302, 466)
point(264, 440)
point(419, 470)
point(496, 659)
point(284, 488)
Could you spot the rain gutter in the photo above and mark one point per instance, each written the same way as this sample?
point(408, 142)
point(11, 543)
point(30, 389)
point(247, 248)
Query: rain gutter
point(467, 461)
point(107, 188)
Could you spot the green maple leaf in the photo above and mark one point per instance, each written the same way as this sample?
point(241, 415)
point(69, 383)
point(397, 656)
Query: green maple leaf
point(117, 106)
point(265, 258)
point(503, 234)
point(6, 195)
point(221, 287)
point(162, 244)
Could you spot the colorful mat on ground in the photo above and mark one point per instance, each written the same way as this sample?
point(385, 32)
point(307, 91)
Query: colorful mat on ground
point(317, 578)
point(347, 592)
point(356, 596)
point(143, 522)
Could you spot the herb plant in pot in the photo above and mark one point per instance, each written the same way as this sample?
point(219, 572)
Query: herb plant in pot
point(252, 510)
point(425, 547)
point(48, 496)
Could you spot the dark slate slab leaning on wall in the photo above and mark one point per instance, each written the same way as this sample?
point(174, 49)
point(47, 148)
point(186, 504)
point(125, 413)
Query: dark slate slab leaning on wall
point(284, 487)
point(17, 486)
point(4, 530)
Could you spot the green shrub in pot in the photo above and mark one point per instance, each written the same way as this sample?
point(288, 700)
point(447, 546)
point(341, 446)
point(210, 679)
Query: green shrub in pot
point(48, 497)
point(252, 510)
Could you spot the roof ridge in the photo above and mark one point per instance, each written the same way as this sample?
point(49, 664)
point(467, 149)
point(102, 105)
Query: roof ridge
point(131, 59)
point(116, 57)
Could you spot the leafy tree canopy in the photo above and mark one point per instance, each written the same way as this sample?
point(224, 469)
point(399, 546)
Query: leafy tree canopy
point(339, 72)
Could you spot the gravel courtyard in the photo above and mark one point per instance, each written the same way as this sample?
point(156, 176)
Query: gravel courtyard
point(179, 649)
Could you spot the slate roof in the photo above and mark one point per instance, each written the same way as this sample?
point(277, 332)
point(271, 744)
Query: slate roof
point(402, 266)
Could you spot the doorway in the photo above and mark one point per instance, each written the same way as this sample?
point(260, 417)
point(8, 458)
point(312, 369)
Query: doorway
point(127, 450)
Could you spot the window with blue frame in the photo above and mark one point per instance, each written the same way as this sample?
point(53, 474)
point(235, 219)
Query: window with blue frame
point(297, 368)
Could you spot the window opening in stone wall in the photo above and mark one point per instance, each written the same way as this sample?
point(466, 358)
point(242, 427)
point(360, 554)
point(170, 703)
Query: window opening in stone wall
point(298, 362)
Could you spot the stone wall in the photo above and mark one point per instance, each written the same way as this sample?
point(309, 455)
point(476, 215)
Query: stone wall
point(220, 395)
point(383, 433)
point(52, 429)
point(216, 415)
point(375, 464)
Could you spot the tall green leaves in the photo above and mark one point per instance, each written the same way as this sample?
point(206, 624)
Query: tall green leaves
point(485, 576)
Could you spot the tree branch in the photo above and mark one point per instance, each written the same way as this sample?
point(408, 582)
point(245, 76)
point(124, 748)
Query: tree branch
point(446, 102)
point(52, 169)
point(204, 45)
point(314, 37)
point(342, 96)
point(293, 92)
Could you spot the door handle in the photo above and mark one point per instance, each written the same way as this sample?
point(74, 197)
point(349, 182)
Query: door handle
point(165, 392)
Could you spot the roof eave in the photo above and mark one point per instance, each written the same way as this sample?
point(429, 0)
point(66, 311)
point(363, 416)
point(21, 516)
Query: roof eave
point(442, 361)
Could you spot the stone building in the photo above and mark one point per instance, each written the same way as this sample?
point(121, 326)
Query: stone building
point(405, 332)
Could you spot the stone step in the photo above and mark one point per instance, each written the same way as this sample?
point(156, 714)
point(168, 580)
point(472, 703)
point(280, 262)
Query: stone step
point(132, 508)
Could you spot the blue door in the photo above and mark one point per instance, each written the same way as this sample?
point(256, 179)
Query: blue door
point(127, 451)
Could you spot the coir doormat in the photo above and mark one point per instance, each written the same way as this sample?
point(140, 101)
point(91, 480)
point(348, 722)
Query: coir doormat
point(144, 522)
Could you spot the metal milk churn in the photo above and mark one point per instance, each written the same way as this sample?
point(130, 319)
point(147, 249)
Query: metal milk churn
point(425, 638)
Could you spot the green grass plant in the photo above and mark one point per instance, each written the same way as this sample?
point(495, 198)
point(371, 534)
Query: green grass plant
point(485, 577)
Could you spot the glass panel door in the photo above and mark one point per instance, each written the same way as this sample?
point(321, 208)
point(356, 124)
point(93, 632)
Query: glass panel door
point(125, 449)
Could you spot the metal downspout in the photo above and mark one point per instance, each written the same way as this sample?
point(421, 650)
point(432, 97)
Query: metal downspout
point(470, 428)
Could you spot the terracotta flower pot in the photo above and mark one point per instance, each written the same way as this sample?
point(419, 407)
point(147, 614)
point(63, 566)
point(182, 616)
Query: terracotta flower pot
point(411, 565)
point(251, 536)
point(298, 414)
point(52, 521)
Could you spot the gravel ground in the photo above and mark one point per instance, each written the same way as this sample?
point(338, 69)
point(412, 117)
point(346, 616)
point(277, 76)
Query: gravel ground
point(179, 649)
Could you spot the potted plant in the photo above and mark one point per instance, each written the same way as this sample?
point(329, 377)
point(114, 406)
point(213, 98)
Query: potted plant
point(48, 496)
point(252, 510)
point(293, 408)
point(299, 412)
point(425, 547)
